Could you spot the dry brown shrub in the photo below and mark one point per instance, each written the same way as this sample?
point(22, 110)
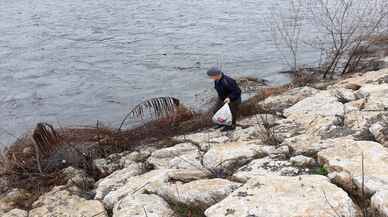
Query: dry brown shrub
point(304, 78)
point(379, 39)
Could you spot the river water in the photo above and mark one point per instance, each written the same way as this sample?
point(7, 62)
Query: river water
point(72, 62)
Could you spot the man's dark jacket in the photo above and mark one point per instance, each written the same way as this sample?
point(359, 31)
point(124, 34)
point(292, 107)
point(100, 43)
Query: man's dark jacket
point(227, 87)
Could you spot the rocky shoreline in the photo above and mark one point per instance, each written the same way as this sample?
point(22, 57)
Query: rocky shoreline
point(330, 158)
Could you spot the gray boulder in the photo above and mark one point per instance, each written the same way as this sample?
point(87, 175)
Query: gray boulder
point(279, 196)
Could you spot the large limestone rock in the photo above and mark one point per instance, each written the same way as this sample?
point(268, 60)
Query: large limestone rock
point(197, 194)
point(117, 179)
point(343, 95)
point(279, 196)
point(344, 159)
point(321, 104)
point(355, 106)
point(360, 122)
point(78, 178)
point(289, 98)
point(133, 185)
point(210, 136)
point(380, 132)
point(302, 161)
point(247, 134)
point(254, 121)
point(363, 78)
point(282, 152)
point(261, 167)
point(61, 203)
point(160, 159)
point(182, 175)
point(376, 95)
point(190, 160)
point(320, 114)
point(286, 128)
point(142, 205)
point(303, 144)
point(16, 213)
point(224, 158)
point(379, 203)
point(118, 161)
point(13, 198)
point(228, 156)
point(137, 184)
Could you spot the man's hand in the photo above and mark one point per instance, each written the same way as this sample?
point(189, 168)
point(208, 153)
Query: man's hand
point(227, 100)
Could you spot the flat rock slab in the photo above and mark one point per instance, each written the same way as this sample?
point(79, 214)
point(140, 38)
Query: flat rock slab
point(376, 95)
point(361, 120)
point(16, 213)
point(199, 194)
point(261, 167)
point(229, 155)
point(11, 199)
point(320, 104)
point(319, 114)
point(137, 184)
point(345, 158)
point(304, 144)
point(142, 205)
point(117, 179)
point(279, 196)
point(380, 132)
point(287, 128)
point(211, 136)
point(379, 203)
point(160, 159)
point(364, 78)
point(289, 98)
point(62, 203)
point(302, 161)
point(118, 161)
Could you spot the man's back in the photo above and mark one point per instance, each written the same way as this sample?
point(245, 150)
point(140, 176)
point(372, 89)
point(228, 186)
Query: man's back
point(227, 87)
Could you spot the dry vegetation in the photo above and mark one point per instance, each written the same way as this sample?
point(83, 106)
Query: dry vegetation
point(340, 30)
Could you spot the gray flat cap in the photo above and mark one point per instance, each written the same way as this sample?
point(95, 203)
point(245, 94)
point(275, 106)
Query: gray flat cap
point(213, 71)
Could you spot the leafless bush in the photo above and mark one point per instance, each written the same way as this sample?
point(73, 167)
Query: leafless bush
point(303, 78)
point(267, 132)
point(337, 29)
point(286, 29)
point(349, 24)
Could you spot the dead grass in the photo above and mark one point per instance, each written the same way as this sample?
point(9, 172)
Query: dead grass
point(379, 40)
point(305, 78)
point(267, 132)
point(251, 106)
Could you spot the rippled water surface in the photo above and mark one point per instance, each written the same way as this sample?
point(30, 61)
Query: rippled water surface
point(78, 61)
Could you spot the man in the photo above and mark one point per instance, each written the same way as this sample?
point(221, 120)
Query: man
point(228, 92)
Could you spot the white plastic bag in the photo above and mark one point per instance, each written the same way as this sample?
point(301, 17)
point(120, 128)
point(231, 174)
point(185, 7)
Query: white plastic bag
point(223, 116)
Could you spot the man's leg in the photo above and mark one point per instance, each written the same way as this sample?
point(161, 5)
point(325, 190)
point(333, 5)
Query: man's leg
point(234, 108)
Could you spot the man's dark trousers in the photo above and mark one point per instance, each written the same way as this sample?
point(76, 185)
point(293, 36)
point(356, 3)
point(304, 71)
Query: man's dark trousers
point(234, 108)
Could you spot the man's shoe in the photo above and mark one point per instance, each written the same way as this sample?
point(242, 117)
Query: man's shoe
point(228, 128)
point(216, 127)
